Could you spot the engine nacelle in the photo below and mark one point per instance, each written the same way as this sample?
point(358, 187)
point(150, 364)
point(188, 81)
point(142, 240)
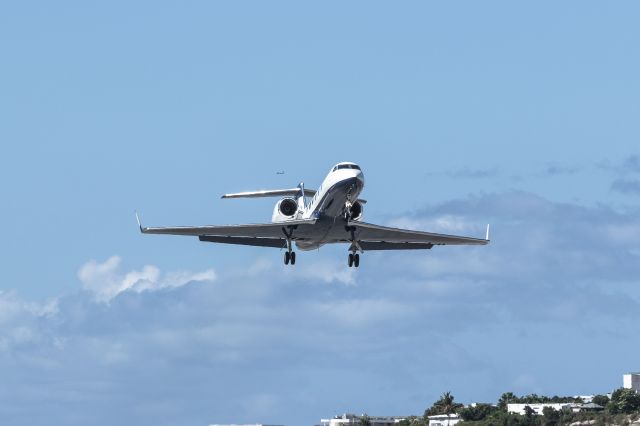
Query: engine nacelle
point(356, 211)
point(286, 209)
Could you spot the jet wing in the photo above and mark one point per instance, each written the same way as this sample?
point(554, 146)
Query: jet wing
point(246, 241)
point(376, 237)
point(262, 235)
point(271, 193)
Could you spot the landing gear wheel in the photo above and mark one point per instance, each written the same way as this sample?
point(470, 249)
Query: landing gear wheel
point(350, 260)
point(293, 257)
point(287, 257)
point(356, 260)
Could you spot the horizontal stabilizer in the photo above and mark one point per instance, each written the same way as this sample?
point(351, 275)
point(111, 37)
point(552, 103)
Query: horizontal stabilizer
point(271, 193)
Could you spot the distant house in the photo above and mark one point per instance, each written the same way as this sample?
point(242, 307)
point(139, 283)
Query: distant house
point(539, 407)
point(631, 381)
point(444, 420)
point(352, 419)
point(586, 407)
point(536, 407)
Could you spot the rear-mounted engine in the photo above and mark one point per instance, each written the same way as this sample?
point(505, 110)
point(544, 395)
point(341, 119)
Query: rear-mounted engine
point(288, 207)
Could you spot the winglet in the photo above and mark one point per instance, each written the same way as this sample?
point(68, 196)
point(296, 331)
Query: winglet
point(487, 237)
point(139, 223)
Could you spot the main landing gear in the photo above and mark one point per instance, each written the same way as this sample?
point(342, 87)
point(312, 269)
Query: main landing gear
point(354, 257)
point(289, 257)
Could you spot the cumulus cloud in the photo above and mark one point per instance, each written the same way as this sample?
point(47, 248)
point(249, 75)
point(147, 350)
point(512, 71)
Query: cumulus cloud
point(290, 345)
point(325, 270)
point(105, 280)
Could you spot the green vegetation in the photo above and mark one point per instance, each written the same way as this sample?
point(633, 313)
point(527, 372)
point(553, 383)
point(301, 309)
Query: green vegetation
point(365, 421)
point(445, 405)
point(622, 409)
point(510, 398)
point(477, 413)
point(625, 401)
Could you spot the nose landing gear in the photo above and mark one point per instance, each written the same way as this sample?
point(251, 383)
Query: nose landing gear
point(354, 260)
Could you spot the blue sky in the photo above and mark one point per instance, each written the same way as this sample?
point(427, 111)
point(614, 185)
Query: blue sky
point(522, 115)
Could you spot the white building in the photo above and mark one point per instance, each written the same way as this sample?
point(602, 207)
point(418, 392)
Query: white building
point(352, 419)
point(536, 407)
point(444, 420)
point(631, 381)
point(539, 407)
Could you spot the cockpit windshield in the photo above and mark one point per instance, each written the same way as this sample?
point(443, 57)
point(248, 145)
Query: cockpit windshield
point(346, 166)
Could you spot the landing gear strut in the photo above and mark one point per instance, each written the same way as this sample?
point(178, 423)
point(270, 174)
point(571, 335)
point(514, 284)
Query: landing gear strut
point(354, 257)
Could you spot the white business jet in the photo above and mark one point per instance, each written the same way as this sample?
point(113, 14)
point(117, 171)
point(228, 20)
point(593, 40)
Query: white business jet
point(332, 215)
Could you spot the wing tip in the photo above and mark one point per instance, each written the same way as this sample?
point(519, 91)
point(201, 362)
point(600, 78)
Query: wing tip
point(487, 234)
point(139, 222)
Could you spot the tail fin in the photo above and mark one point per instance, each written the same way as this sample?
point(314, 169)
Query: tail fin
point(302, 205)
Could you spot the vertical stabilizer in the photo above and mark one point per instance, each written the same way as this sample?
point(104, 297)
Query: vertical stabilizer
point(302, 204)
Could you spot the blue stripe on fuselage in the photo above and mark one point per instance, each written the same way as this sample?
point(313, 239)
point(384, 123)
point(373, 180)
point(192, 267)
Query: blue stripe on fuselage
point(338, 193)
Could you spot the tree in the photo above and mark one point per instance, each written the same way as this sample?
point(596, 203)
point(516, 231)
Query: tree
point(624, 401)
point(551, 416)
point(414, 421)
point(530, 418)
point(601, 400)
point(479, 412)
point(528, 411)
point(445, 405)
point(364, 420)
point(507, 398)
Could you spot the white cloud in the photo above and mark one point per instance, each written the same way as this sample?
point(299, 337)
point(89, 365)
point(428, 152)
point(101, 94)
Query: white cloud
point(327, 271)
point(12, 307)
point(364, 313)
point(105, 281)
point(9, 307)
